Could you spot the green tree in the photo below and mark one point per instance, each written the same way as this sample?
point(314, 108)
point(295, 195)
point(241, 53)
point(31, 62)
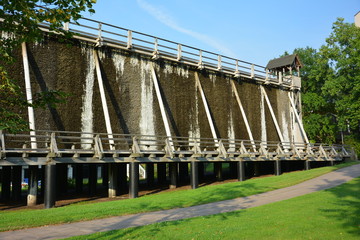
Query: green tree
point(331, 85)
point(20, 19)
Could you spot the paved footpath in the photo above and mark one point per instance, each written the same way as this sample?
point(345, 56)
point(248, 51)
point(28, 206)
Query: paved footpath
point(326, 181)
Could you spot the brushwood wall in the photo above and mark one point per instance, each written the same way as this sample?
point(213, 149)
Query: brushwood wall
point(132, 100)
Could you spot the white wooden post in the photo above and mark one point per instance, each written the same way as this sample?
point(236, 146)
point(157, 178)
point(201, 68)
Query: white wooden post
point(243, 115)
point(162, 108)
point(219, 62)
point(272, 114)
point(103, 101)
point(179, 52)
point(298, 119)
point(29, 95)
point(129, 40)
point(206, 106)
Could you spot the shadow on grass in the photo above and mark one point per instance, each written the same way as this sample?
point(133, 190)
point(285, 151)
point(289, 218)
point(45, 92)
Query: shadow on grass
point(347, 210)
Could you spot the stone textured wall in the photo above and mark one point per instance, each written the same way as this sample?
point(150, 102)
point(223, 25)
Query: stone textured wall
point(132, 100)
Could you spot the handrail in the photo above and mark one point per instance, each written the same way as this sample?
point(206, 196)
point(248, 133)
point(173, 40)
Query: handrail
point(101, 33)
point(64, 142)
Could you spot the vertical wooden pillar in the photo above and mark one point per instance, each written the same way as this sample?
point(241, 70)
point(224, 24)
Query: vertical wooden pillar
point(149, 168)
point(241, 170)
point(173, 167)
point(113, 179)
point(50, 185)
point(161, 173)
point(16, 183)
point(6, 183)
point(79, 176)
point(92, 179)
point(33, 186)
point(134, 180)
point(194, 175)
point(277, 167)
point(307, 165)
point(218, 171)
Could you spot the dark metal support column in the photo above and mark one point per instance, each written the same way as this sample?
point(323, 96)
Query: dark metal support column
point(218, 171)
point(149, 168)
point(92, 179)
point(79, 175)
point(173, 167)
point(113, 179)
point(277, 167)
point(33, 186)
point(6, 183)
point(50, 185)
point(134, 180)
point(307, 165)
point(194, 175)
point(241, 170)
point(16, 183)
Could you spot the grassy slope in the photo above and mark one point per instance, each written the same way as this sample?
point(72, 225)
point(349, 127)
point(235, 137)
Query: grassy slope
point(78, 212)
point(329, 214)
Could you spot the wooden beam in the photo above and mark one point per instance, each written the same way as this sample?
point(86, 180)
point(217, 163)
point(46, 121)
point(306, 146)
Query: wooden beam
point(162, 107)
point(243, 114)
point(272, 114)
point(103, 101)
point(29, 95)
point(206, 106)
point(298, 119)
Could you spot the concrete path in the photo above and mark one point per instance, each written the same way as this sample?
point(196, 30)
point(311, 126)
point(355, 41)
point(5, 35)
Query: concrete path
point(74, 229)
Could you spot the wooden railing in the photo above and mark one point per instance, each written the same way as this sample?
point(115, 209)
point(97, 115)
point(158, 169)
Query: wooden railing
point(57, 144)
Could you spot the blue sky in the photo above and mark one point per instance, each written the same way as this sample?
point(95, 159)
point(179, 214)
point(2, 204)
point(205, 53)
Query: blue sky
point(254, 31)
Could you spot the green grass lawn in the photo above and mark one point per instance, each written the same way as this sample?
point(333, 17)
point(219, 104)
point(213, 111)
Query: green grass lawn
point(329, 214)
point(10, 220)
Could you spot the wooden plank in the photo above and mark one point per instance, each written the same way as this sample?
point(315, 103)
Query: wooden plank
point(298, 119)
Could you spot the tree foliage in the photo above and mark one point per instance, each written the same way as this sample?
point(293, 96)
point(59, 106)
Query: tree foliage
point(20, 23)
point(331, 85)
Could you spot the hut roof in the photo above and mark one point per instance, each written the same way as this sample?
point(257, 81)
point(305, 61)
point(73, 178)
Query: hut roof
point(286, 61)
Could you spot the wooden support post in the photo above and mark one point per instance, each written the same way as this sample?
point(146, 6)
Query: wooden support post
point(298, 119)
point(92, 179)
point(103, 101)
point(277, 167)
point(29, 95)
point(162, 108)
point(206, 106)
point(113, 179)
point(218, 171)
point(243, 114)
point(79, 175)
point(194, 175)
point(33, 186)
point(272, 115)
point(149, 174)
point(307, 165)
point(50, 185)
point(5, 183)
point(241, 170)
point(134, 180)
point(173, 167)
point(16, 183)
